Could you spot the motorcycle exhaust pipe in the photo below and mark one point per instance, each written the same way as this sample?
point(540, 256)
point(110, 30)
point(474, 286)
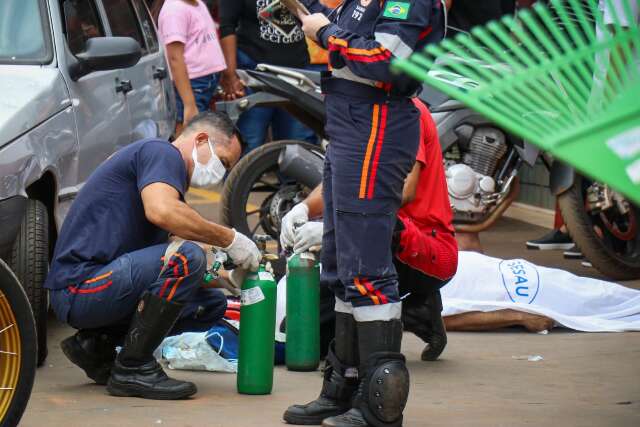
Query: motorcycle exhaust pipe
point(301, 164)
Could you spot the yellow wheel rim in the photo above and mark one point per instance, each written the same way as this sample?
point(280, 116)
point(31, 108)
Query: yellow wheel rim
point(9, 355)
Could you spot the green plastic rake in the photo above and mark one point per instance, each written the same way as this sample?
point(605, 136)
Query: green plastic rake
point(557, 76)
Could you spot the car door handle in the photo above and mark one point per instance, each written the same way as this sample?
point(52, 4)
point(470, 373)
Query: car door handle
point(160, 73)
point(124, 86)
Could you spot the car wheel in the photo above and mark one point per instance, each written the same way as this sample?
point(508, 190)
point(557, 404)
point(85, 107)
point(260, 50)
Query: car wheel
point(30, 263)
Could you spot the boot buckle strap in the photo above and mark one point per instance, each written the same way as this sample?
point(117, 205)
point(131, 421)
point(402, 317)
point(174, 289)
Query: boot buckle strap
point(337, 389)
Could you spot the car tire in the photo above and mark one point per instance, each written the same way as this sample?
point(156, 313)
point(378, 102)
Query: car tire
point(19, 336)
point(30, 263)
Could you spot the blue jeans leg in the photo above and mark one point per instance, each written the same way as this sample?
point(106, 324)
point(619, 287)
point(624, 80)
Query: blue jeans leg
point(204, 89)
point(253, 125)
point(285, 126)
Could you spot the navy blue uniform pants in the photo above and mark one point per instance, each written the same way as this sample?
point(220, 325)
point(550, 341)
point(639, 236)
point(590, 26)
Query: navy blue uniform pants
point(110, 297)
point(373, 148)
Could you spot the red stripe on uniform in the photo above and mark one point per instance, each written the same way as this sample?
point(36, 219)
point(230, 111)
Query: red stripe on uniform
point(425, 33)
point(185, 271)
point(354, 55)
point(375, 291)
point(75, 290)
point(374, 166)
point(170, 264)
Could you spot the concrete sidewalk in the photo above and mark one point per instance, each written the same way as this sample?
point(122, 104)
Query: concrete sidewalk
point(583, 379)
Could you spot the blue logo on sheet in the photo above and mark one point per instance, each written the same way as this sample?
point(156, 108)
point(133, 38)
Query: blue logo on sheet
point(521, 280)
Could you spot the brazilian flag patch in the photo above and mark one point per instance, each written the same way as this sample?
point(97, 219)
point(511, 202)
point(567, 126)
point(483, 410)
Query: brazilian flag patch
point(397, 10)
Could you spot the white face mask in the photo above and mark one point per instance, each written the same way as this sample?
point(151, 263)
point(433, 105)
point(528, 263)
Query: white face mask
point(209, 174)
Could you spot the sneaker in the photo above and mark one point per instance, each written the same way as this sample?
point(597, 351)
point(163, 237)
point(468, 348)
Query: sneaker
point(554, 240)
point(573, 253)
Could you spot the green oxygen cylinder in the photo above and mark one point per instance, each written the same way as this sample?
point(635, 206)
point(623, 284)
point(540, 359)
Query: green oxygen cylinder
point(257, 333)
point(302, 350)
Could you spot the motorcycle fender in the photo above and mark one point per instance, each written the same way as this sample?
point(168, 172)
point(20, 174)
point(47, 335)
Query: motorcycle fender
point(561, 179)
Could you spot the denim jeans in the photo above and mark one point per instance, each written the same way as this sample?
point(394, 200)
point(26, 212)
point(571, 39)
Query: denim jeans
point(254, 124)
point(204, 88)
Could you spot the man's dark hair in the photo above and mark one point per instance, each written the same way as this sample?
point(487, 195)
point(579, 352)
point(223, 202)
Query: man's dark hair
point(215, 120)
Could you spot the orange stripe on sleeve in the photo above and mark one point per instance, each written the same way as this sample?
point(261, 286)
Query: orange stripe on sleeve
point(367, 158)
point(366, 52)
point(337, 41)
point(381, 50)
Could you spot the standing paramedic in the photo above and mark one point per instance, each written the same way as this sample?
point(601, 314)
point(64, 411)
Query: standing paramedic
point(374, 130)
point(425, 252)
point(116, 277)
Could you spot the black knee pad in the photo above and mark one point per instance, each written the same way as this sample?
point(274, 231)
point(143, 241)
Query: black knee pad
point(384, 389)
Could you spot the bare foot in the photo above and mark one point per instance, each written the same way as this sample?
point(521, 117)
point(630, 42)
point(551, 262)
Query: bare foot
point(536, 323)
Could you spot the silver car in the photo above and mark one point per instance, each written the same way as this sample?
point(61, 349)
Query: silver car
point(79, 79)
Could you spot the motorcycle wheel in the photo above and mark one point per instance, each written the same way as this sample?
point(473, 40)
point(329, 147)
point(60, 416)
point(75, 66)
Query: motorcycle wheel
point(256, 195)
point(615, 256)
point(18, 348)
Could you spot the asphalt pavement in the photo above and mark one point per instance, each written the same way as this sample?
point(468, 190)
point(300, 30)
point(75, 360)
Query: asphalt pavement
point(481, 379)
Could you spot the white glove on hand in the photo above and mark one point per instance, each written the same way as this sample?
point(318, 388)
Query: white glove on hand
point(299, 214)
point(236, 277)
point(243, 252)
point(307, 236)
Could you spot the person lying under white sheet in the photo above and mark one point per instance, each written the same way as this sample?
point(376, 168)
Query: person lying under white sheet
point(489, 293)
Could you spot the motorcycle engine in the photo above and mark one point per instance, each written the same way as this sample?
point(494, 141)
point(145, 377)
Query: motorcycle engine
point(472, 188)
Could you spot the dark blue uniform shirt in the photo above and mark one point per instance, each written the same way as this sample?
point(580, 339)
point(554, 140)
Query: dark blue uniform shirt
point(107, 218)
point(366, 35)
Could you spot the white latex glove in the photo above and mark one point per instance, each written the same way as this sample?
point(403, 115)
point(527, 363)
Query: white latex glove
point(243, 252)
point(307, 236)
point(236, 277)
point(299, 214)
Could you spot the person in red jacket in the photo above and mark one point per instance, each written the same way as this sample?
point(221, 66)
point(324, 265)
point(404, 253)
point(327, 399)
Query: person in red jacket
point(424, 245)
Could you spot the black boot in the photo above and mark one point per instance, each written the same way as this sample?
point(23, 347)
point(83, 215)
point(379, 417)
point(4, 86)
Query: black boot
point(93, 350)
point(384, 380)
point(136, 372)
point(340, 378)
point(425, 320)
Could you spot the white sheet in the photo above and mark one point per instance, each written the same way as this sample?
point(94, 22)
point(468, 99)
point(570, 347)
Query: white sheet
point(483, 283)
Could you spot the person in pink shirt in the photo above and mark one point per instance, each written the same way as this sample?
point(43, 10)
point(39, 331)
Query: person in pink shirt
point(193, 50)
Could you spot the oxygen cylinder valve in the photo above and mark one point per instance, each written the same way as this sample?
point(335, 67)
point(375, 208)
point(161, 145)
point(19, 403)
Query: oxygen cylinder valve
point(220, 259)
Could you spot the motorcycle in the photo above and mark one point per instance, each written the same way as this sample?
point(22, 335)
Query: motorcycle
point(270, 180)
point(482, 163)
point(602, 222)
